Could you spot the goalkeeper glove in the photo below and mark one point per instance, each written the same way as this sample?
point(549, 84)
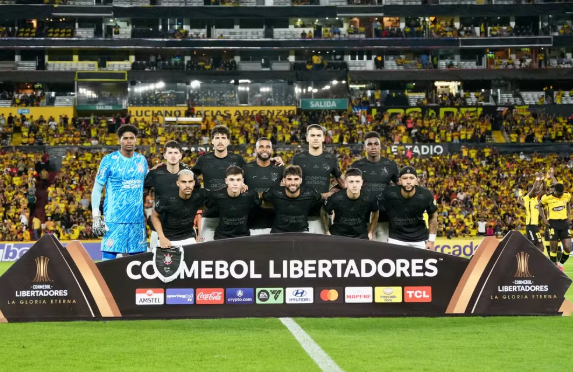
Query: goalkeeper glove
point(99, 227)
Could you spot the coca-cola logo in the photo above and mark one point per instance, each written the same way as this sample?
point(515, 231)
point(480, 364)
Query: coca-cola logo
point(209, 296)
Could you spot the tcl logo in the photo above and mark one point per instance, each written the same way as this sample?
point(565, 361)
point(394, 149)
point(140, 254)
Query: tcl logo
point(417, 294)
point(209, 296)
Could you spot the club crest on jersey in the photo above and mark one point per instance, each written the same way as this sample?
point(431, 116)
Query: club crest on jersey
point(274, 176)
point(326, 166)
point(167, 263)
point(140, 167)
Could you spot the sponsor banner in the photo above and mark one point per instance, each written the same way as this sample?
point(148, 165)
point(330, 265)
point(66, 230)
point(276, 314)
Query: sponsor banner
point(332, 276)
point(149, 296)
point(324, 104)
point(357, 295)
point(36, 112)
point(148, 113)
point(240, 296)
point(270, 295)
point(180, 296)
point(299, 295)
point(387, 294)
point(418, 294)
point(329, 295)
point(210, 296)
point(12, 251)
point(458, 247)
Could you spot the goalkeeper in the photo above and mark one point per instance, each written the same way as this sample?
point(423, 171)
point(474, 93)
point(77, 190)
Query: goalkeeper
point(122, 173)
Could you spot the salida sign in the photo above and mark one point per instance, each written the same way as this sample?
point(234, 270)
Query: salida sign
point(286, 275)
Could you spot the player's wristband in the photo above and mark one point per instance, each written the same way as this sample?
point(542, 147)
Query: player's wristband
point(432, 238)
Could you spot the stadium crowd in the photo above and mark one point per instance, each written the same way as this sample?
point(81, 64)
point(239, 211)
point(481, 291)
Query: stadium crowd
point(341, 128)
point(474, 189)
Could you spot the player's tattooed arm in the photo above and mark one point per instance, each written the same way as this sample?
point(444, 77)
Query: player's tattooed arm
point(265, 204)
point(163, 241)
point(277, 160)
point(325, 221)
point(373, 224)
point(433, 227)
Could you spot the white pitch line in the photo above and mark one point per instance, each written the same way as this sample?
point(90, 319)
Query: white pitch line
point(324, 362)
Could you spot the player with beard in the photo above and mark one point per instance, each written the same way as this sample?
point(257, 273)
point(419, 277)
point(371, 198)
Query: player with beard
point(173, 218)
point(163, 179)
point(213, 166)
point(317, 167)
point(261, 175)
point(405, 206)
point(292, 203)
point(122, 173)
point(352, 211)
point(234, 207)
point(377, 173)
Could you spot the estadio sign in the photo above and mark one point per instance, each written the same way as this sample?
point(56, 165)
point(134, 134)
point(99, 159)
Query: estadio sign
point(285, 275)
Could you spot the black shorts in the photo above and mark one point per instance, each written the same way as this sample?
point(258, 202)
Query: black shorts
point(558, 230)
point(533, 234)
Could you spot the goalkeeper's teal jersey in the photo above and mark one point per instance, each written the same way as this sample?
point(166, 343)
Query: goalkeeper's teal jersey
point(123, 179)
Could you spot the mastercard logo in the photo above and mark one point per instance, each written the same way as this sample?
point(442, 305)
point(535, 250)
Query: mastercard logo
point(329, 295)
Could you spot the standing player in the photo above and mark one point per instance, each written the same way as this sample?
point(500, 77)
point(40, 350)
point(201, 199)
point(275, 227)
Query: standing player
point(530, 202)
point(558, 220)
point(234, 207)
point(405, 205)
point(173, 218)
point(163, 179)
point(377, 172)
point(122, 173)
point(317, 167)
point(261, 175)
point(292, 202)
point(352, 210)
point(213, 166)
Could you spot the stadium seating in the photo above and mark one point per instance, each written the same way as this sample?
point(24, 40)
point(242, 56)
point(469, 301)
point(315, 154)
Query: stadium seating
point(71, 66)
point(532, 98)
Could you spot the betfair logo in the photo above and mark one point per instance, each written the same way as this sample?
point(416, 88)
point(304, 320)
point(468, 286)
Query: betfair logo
point(42, 270)
point(522, 266)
